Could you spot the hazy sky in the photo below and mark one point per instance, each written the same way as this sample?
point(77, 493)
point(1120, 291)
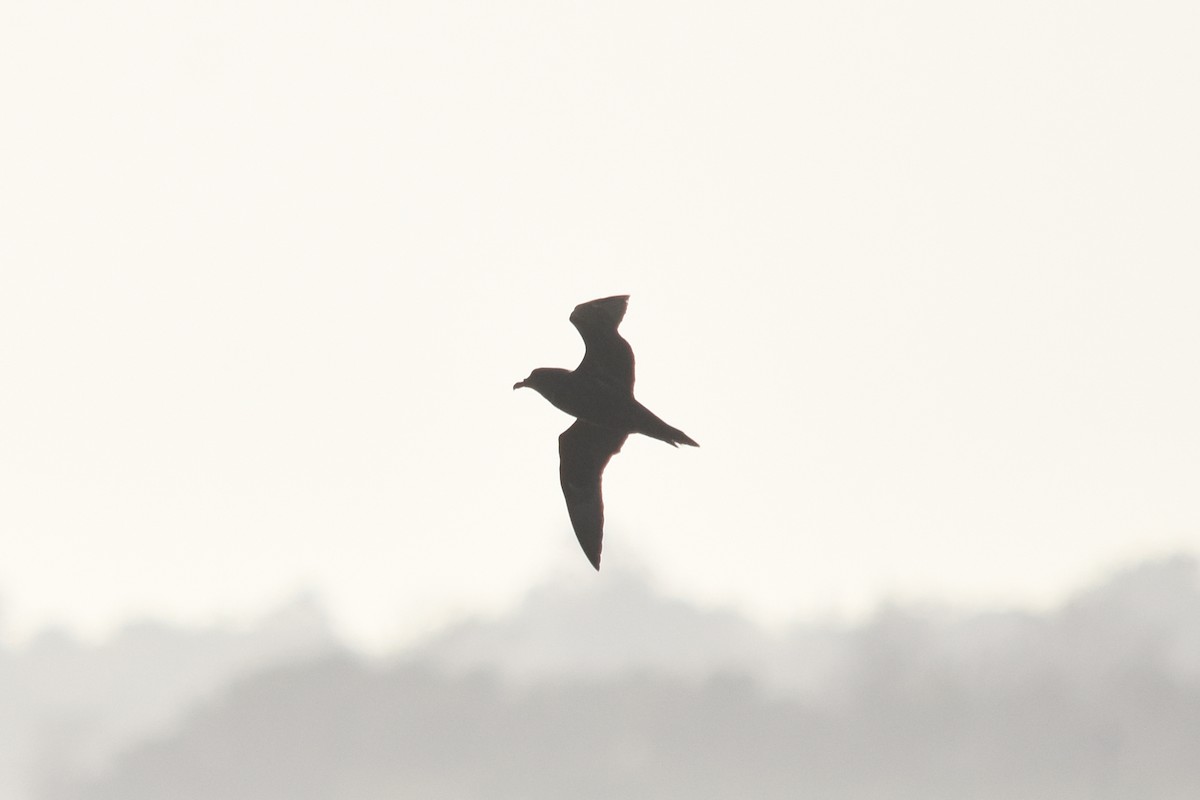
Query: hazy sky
point(922, 279)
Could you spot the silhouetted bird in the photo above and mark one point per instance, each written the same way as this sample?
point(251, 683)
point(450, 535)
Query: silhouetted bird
point(599, 394)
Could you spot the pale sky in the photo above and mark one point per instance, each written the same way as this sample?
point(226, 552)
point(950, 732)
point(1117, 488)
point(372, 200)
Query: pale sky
point(922, 280)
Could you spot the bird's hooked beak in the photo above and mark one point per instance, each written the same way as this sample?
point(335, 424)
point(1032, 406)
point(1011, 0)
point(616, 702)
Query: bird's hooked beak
point(518, 385)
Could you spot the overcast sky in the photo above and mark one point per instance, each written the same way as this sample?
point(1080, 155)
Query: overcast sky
point(922, 280)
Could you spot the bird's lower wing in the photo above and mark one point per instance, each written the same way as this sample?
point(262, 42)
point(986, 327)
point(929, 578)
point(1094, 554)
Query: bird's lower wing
point(584, 450)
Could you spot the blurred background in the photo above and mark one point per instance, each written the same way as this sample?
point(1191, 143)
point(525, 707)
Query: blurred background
point(921, 280)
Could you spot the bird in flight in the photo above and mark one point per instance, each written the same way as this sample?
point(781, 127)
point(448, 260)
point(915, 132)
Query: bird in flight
point(599, 394)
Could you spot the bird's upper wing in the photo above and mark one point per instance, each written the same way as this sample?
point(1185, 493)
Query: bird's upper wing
point(584, 450)
point(607, 357)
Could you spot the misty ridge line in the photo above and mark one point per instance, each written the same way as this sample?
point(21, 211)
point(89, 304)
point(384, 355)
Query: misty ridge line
point(301, 624)
point(1116, 667)
point(304, 614)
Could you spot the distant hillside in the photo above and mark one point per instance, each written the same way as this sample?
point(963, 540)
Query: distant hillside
point(620, 693)
point(66, 707)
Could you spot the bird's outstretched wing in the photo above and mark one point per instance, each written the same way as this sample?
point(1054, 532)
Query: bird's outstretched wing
point(584, 450)
point(607, 358)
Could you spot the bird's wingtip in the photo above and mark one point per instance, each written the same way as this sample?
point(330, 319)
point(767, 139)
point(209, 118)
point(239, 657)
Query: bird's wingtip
point(604, 311)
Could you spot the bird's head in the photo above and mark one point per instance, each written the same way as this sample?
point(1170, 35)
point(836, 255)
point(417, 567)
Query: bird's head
point(544, 380)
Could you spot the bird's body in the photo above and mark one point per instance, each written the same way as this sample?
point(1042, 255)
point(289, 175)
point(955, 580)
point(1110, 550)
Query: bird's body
point(601, 403)
point(599, 394)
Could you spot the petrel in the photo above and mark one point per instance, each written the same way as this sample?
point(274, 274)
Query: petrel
point(599, 394)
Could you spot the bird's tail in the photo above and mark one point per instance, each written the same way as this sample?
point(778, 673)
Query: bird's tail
point(678, 437)
point(655, 428)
